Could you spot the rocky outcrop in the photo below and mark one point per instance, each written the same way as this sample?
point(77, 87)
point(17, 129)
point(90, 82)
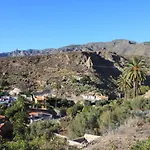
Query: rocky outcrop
point(89, 63)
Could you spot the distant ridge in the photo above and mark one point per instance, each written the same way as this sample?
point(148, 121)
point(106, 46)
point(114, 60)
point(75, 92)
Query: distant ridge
point(120, 46)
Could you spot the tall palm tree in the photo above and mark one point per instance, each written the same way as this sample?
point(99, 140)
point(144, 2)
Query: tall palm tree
point(123, 85)
point(135, 73)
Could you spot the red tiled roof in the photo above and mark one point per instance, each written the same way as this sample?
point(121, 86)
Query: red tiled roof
point(40, 98)
point(34, 113)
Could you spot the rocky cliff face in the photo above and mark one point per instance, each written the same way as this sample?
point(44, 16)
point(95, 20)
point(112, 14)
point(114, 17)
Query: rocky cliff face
point(122, 47)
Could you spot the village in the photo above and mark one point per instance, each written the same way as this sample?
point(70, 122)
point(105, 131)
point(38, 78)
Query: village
point(40, 111)
point(44, 106)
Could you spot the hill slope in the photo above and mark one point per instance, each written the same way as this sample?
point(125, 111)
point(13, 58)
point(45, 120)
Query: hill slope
point(124, 138)
point(37, 72)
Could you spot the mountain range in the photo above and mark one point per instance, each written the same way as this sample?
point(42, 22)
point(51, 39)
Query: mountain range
point(97, 63)
point(120, 46)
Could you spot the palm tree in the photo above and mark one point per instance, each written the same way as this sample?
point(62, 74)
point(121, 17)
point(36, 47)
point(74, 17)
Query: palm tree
point(135, 73)
point(57, 87)
point(123, 85)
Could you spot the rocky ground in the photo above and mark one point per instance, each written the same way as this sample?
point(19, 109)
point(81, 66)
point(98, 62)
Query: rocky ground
point(38, 72)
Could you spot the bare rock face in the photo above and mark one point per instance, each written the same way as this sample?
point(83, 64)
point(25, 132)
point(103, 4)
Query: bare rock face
point(89, 63)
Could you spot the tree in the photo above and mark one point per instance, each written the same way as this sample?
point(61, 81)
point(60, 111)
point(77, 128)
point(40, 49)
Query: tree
point(62, 112)
point(57, 87)
point(123, 85)
point(74, 110)
point(21, 145)
point(84, 122)
point(3, 145)
point(135, 73)
point(18, 116)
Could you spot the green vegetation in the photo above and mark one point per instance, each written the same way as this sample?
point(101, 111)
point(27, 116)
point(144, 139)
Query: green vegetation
point(18, 116)
point(98, 118)
point(102, 119)
point(123, 85)
point(143, 89)
point(142, 145)
point(74, 110)
point(132, 77)
point(52, 102)
point(135, 73)
point(38, 135)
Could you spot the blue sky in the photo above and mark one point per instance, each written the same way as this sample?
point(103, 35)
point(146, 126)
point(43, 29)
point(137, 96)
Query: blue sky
point(40, 24)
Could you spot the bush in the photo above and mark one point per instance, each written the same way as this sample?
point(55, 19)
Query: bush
point(62, 112)
point(87, 103)
point(43, 128)
point(140, 103)
point(101, 102)
point(59, 102)
point(85, 79)
point(21, 145)
point(144, 89)
point(101, 119)
point(74, 80)
point(85, 122)
point(72, 111)
point(143, 145)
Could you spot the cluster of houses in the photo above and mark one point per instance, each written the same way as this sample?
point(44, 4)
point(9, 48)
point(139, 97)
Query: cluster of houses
point(34, 115)
point(39, 114)
point(7, 100)
point(94, 97)
point(10, 97)
point(39, 98)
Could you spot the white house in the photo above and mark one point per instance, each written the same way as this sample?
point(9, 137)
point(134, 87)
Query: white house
point(15, 91)
point(94, 97)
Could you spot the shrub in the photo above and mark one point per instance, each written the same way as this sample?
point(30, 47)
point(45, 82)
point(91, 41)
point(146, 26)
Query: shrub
point(72, 111)
point(143, 145)
point(43, 128)
point(85, 79)
point(62, 112)
point(101, 102)
point(74, 80)
point(85, 122)
point(140, 103)
point(144, 89)
point(87, 103)
point(21, 145)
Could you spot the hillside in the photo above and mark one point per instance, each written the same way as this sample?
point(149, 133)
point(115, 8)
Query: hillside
point(124, 138)
point(39, 72)
point(120, 46)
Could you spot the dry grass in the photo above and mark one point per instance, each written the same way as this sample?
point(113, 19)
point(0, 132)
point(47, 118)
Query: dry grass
point(126, 136)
